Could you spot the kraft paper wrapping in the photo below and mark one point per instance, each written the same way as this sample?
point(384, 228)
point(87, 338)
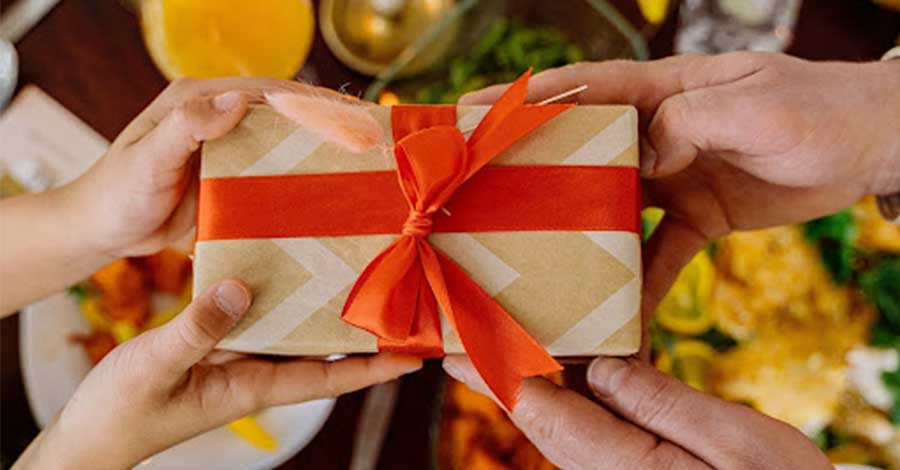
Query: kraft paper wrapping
point(577, 293)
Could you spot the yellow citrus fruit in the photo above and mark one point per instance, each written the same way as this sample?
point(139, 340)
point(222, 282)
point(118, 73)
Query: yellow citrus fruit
point(689, 360)
point(203, 39)
point(684, 308)
point(251, 431)
point(654, 11)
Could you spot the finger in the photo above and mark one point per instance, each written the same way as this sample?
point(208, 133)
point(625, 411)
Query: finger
point(190, 336)
point(180, 133)
point(642, 84)
point(221, 356)
point(187, 89)
point(268, 383)
point(717, 431)
point(575, 433)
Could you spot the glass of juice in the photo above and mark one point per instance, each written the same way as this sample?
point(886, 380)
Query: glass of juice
point(205, 39)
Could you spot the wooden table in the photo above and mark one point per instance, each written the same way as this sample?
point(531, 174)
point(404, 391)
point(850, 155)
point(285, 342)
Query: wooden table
point(90, 57)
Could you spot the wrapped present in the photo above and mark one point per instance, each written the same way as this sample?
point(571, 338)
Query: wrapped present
point(507, 232)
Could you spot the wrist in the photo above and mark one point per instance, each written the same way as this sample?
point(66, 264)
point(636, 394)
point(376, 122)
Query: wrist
point(80, 216)
point(885, 176)
point(62, 447)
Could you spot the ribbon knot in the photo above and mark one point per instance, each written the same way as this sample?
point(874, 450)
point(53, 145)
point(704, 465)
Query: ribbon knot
point(418, 224)
point(396, 296)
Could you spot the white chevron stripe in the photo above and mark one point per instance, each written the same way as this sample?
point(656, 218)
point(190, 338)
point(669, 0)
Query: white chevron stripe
point(286, 155)
point(617, 310)
point(600, 324)
point(625, 246)
point(608, 143)
point(330, 275)
point(483, 266)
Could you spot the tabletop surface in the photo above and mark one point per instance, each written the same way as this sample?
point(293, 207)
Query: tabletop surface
point(90, 57)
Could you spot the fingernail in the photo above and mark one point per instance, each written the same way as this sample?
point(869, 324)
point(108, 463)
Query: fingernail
point(232, 298)
point(227, 101)
point(604, 374)
point(648, 157)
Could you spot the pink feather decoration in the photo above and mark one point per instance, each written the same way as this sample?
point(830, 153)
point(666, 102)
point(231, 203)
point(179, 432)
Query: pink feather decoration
point(336, 118)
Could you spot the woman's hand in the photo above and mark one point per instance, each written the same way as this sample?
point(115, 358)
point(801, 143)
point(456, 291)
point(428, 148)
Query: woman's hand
point(168, 385)
point(743, 141)
point(647, 420)
point(141, 196)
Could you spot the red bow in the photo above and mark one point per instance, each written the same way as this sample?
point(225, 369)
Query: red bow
point(396, 296)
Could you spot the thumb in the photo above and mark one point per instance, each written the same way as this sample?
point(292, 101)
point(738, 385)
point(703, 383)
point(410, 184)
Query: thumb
point(676, 412)
point(191, 335)
point(170, 144)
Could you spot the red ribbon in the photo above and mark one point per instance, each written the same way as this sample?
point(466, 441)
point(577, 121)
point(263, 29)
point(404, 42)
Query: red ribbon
point(397, 295)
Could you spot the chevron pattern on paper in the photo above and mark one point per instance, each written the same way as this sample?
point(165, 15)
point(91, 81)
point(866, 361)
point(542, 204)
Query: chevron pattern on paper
point(578, 293)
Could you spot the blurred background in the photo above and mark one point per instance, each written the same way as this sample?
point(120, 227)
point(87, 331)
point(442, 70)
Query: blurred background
point(799, 322)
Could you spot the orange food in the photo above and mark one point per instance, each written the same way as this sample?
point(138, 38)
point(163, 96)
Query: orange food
point(169, 270)
point(123, 291)
point(97, 344)
point(479, 435)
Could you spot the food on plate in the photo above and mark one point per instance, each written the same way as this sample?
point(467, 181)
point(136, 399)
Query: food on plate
point(250, 430)
point(689, 360)
point(684, 309)
point(132, 295)
point(805, 327)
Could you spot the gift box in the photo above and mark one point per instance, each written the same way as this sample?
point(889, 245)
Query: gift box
point(549, 229)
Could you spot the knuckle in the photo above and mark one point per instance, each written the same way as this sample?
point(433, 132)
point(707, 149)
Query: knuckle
point(656, 404)
point(669, 117)
point(663, 455)
point(546, 428)
point(196, 331)
point(753, 59)
point(329, 381)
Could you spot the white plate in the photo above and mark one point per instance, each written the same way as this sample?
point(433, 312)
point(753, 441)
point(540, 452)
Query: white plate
point(52, 367)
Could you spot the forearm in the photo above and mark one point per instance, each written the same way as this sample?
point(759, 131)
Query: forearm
point(45, 246)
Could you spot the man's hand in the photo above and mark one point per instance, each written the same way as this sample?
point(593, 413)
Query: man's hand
point(647, 420)
point(168, 385)
point(743, 141)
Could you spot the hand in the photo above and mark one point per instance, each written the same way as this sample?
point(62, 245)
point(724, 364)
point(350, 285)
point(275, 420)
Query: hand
point(137, 199)
point(743, 141)
point(141, 196)
point(647, 420)
point(168, 385)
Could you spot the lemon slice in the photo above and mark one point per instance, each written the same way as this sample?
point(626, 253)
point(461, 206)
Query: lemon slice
point(684, 309)
point(690, 364)
point(204, 39)
point(251, 431)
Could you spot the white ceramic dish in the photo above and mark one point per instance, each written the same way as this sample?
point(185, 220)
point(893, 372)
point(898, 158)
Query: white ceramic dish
point(52, 367)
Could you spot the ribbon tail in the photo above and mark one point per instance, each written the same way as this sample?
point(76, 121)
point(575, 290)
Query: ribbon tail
point(384, 300)
point(500, 349)
point(424, 338)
